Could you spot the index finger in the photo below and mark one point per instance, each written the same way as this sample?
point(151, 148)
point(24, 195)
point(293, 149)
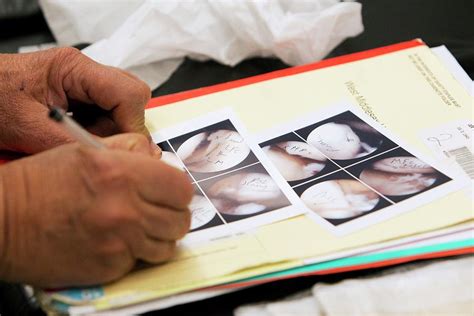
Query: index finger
point(123, 94)
point(156, 182)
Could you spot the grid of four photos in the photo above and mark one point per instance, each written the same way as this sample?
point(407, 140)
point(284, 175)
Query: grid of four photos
point(342, 168)
point(230, 183)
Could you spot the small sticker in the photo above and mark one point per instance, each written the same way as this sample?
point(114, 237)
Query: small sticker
point(453, 145)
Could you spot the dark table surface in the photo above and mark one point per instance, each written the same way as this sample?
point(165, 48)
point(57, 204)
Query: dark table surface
point(437, 22)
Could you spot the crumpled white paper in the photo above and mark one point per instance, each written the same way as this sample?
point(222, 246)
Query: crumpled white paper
point(151, 37)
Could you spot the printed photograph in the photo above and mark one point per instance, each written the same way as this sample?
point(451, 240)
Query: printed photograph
point(244, 193)
point(345, 138)
point(203, 213)
point(398, 175)
point(343, 169)
point(296, 160)
point(213, 150)
point(169, 157)
point(339, 198)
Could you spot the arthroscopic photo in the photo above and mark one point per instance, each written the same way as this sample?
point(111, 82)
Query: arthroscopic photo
point(169, 157)
point(295, 159)
point(212, 150)
point(342, 168)
point(203, 213)
point(399, 175)
point(339, 198)
point(244, 193)
point(345, 138)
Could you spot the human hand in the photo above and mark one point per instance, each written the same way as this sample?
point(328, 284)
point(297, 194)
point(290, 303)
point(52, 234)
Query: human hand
point(76, 215)
point(105, 99)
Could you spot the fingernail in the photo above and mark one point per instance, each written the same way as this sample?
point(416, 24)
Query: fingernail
point(156, 150)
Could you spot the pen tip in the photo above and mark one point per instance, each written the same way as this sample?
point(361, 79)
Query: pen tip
point(56, 114)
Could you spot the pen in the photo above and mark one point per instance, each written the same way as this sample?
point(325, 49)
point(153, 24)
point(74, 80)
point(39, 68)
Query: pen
point(80, 134)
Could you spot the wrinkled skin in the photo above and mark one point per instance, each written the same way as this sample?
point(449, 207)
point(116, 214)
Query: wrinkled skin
point(71, 214)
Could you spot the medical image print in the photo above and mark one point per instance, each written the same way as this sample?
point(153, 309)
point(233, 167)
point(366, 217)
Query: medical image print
point(342, 168)
point(244, 193)
point(230, 182)
point(213, 150)
point(345, 139)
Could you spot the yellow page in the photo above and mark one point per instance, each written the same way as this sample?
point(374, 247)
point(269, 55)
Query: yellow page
point(406, 91)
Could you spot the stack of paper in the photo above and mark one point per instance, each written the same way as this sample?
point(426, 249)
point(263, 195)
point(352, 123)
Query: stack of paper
point(354, 162)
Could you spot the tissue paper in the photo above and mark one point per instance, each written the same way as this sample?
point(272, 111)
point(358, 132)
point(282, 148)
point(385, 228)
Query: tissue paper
point(151, 38)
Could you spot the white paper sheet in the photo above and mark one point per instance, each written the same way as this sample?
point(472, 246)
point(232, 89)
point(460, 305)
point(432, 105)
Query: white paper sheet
point(453, 145)
point(359, 173)
point(454, 67)
point(236, 187)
